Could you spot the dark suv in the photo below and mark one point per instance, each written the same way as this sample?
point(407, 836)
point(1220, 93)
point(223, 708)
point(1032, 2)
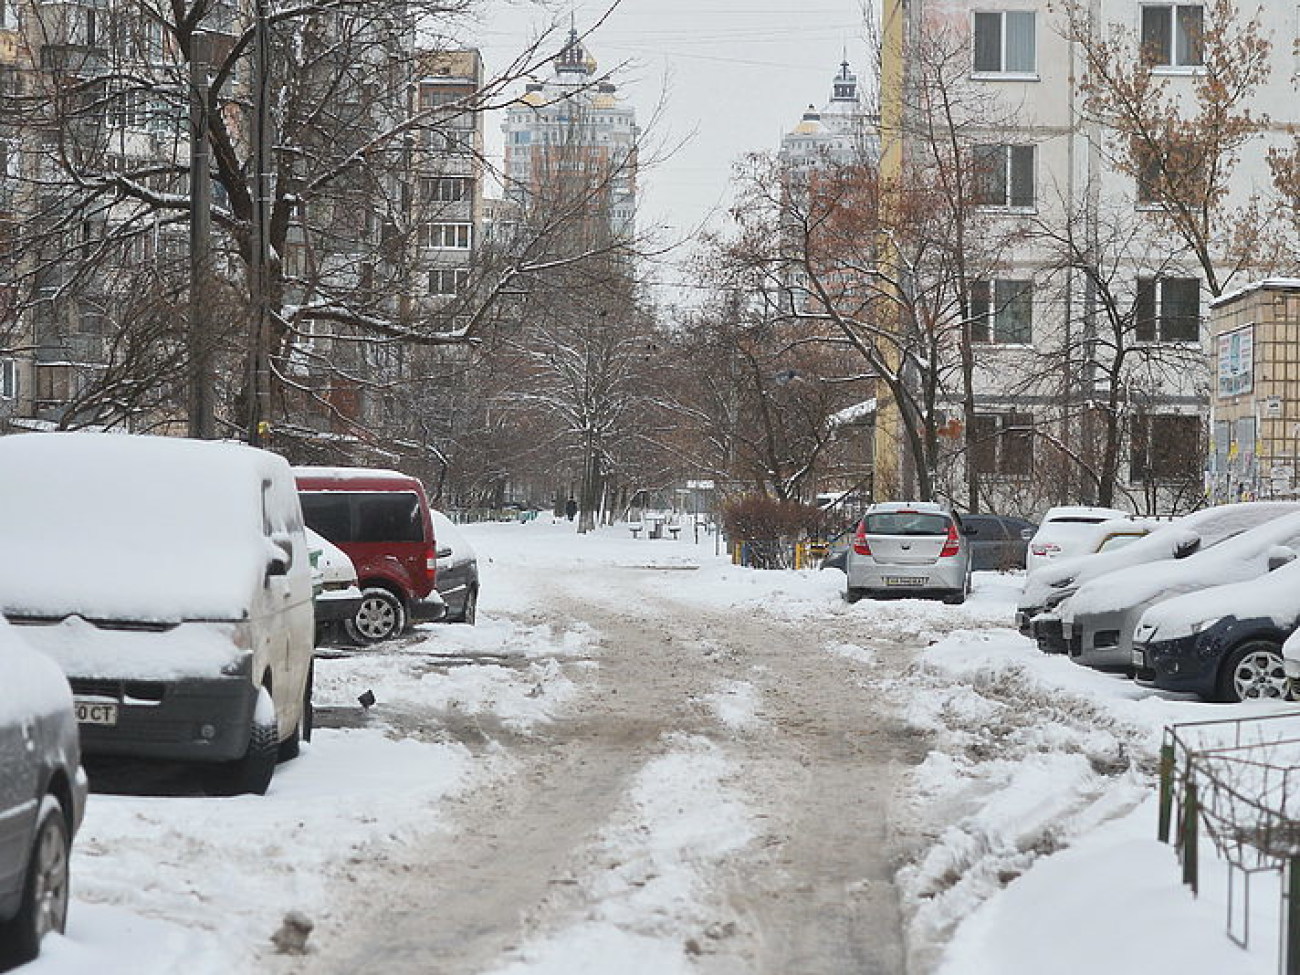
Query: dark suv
point(381, 520)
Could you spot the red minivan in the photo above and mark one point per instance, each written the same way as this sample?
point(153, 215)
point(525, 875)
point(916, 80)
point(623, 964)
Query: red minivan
point(381, 520)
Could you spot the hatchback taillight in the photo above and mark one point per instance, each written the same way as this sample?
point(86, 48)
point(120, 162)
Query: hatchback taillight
point(953, 545)
point(860, 545)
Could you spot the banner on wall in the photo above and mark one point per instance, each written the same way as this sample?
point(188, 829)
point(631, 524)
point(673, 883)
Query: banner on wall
point(1237, 362)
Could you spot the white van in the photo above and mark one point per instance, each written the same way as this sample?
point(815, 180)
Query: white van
point(170, 579)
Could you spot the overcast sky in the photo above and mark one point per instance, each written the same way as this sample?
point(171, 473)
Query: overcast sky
point(733, 76)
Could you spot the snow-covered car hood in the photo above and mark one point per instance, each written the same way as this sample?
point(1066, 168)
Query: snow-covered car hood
point(33, 683)
point(88, 651)
point(1274, 596)
point(1245, 556)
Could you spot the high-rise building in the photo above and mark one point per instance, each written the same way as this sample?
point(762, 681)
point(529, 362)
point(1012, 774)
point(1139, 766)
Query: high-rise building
point(571, 143)
point(842, 131)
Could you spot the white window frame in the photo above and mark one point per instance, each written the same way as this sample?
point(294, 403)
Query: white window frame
point(447, 236)
point(1008, 152)
point(1174, 65)
point(988, 311)
point(459, 277)
point(8, 379)
point(1002, 71)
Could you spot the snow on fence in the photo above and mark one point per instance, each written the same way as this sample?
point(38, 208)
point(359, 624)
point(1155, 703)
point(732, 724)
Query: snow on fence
point(1239, 780)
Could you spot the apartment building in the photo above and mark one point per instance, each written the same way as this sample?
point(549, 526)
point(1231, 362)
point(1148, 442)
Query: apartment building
point(1085, 304)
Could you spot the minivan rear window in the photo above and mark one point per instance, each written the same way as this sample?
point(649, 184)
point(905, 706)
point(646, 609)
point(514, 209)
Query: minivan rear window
point(381, 516)
point(906, 523)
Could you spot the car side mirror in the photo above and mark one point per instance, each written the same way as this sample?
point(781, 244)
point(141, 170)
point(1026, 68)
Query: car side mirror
point(444, 552)
point(281, 558)
point(1027, 534)
point(1188, 546)
point(969, 529)
point(1280, 556)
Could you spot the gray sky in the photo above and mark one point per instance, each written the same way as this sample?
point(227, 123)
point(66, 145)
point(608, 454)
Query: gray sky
point(733, 76)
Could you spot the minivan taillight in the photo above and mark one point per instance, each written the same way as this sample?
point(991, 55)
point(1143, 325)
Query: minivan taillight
point(431, 564)
point(860, 545)
point(953, 545)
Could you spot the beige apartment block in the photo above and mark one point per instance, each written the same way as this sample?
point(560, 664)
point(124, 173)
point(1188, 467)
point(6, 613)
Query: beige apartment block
point(1255, 408)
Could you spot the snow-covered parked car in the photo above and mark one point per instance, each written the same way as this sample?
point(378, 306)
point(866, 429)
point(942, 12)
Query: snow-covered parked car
point(42, 797)
point(457, 578)
point(1146, 541)
point(170, 579)
point(1223, 643)
point(335, 595)
point(1098, 621)
point(1065, 530)
point(1052, 583)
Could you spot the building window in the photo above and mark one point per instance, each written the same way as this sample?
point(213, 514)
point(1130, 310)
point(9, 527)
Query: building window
point(446, 189)
point(1175, 172)
point(1165, 447)
point(446, 236)
point(1003, 443)
point(8, 14)
point(1004, 42)
point(447, 280)
point(8, 378)
point(1004, 176)
point(1168, 310)
point(1171, 35)
point(1002, 311)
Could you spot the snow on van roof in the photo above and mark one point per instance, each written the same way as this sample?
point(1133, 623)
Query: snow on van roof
point(131, 527)
point(351, 474)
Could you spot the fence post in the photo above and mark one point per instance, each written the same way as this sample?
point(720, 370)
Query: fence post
point(1291, 945)
point(1166, 791)
point(1190, 840)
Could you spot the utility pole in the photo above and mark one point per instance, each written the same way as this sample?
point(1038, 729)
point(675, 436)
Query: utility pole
point(258, 382)
point(202, 408)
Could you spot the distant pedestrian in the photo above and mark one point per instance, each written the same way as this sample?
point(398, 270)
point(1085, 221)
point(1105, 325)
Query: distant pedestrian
point(570, 508)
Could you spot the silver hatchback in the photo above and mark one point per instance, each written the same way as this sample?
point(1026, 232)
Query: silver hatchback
point(909, 549)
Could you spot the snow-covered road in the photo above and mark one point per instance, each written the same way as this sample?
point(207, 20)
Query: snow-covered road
point(645, 760)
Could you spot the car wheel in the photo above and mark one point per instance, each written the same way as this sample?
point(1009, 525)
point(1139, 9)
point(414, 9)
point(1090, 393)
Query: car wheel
point(1254, 672)
point(44, 906)
point(470, 613)
point(380, 617)
point(853, 595)
point(252, 773)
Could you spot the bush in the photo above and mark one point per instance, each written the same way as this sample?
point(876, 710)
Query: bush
point(768, 528)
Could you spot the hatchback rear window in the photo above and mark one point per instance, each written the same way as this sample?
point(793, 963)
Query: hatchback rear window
point(906, 523)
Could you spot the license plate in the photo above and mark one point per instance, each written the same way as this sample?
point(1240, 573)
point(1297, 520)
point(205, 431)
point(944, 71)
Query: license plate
point(905, 580)
point(95, 712)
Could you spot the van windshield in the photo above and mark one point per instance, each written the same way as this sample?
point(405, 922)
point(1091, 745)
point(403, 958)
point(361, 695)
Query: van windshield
point(906, 523)
point(381, 516)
